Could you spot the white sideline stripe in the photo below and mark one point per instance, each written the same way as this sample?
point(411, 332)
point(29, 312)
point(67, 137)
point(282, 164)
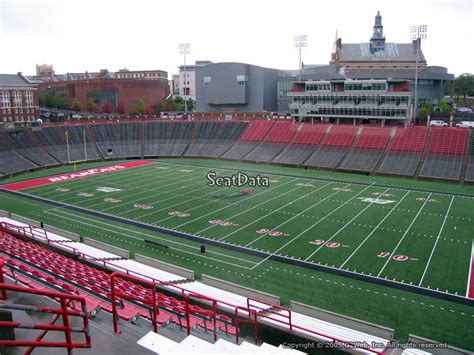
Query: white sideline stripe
point(282, 224)
point(75, 220)
point(436, 242)
point(232, 204)
point(470, 269)
point(314, 224)
point(347, 224)
point(376, 227)
point(403, 237)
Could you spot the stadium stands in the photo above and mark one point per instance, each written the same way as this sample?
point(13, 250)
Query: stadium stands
point(274, 142)
point(429, 152)
point(368, 149)
point(167, 138)
point(212, 139)
point(470, 162)
point(405, 151)
point(334, 147)
point(445, 153)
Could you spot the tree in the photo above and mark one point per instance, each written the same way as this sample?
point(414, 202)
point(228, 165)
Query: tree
point(121, 108)
point(92, 106)
point(60, 102)
point(464, 85)
point(444, 106)
point(424, 112)
point(106, 107)
point(139, 107)
point(76, 104)
point(190, 104)
point(149, 110)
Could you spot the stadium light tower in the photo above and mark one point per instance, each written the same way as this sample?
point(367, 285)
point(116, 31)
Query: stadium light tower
point(301, 41)
point(417, 33)
point(185, 48)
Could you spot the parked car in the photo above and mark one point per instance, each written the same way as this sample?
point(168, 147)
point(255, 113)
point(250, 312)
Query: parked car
point(468, 124)
point(438, 123)
point(76, 116)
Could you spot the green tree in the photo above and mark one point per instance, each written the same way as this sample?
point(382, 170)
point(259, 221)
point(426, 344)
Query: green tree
point(139, 107)
point(60, 102)
point(464, 85)
point(190, 105)
point(423, 112)
point(444, 106)
point(76, 104)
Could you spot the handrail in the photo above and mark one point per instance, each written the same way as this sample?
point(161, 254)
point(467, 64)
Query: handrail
point(63, 311)
point(144, 280)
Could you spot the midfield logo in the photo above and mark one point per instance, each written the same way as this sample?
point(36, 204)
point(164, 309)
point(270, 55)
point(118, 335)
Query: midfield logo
point(378, 201)
point(107, 189)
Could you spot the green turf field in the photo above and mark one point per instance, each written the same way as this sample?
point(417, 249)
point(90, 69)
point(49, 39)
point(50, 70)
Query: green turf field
point(404, 230)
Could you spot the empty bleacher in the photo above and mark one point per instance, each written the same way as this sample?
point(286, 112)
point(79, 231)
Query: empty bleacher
point(274, 142)
point(250, 139)
point(445, 153)
point(368, 149)
point(405, 151)
point(167, 138)
point(212, 139)
point(303, 145)
point(118, 140)
point(334, 147)
point(23, 143)
point(470, 162)
point(10, 160)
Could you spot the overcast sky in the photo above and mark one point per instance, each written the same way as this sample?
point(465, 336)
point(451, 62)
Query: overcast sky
point(79, 35)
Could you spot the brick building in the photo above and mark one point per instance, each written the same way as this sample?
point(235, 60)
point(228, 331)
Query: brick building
point(112, 90)
point(18, 100)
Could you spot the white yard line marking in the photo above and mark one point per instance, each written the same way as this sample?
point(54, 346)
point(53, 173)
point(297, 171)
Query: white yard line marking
point(389, 257)
point(251, 208)
point(345, 225)
point(373, 230)
point(314, 224)
point(232, 204)
point(470, 270)
point(436, 242)
point(129, 232)
point(282, 224)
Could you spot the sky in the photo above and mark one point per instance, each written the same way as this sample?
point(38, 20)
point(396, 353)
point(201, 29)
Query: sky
point(80, 35)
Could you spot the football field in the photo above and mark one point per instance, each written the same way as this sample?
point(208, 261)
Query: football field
point(412, 236)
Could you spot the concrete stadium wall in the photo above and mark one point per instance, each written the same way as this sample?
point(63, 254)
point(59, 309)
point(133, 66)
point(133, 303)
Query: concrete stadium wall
point(438, 348)
point(240, 290)
point(62, 232)
point(106, 247)
point(344, 321)
point(4, 213)
point(189, 274)
point(25, 220)
point(260, 253)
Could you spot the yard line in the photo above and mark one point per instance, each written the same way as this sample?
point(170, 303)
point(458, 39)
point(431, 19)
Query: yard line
point(347, 224)
point(129, 231)
point(373, 230)
point(265, 202)
point(404, 235)
point(469, 276)
point(314, 224)
point(436, 242)
point(232, 204)
point(288, 220)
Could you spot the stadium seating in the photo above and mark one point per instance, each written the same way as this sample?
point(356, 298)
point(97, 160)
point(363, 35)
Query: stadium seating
point(24, 144)
point(256, 131)
point(470, 163)
point(167, 138)
point(445, 153)
point(118, 140)
point(334, 147)
point(368, 149)
point(212, 139)
point(12, 161)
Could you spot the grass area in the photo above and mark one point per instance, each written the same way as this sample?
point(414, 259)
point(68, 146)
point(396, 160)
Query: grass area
point(430, 229)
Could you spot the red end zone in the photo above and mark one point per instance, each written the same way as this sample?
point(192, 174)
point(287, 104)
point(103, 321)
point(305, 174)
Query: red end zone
point(76, 175)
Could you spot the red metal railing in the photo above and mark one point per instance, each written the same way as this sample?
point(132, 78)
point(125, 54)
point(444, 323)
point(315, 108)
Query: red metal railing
point(268, 313)
point(64, 312)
